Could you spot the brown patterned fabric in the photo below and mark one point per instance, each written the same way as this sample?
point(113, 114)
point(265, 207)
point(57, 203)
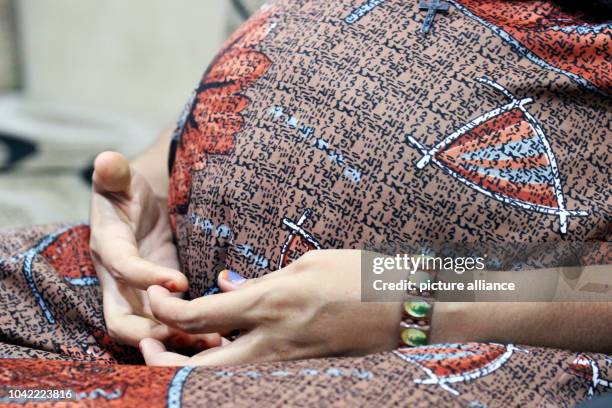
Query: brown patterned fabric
point(53, 337)
point(306, 119)
point(334, 125)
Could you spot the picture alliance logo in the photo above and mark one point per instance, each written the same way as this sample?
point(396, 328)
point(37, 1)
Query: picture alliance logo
point(413, 264)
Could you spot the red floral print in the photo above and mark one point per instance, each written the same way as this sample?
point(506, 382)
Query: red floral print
point(215, 116)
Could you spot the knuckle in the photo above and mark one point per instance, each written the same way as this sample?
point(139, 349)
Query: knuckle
point(187, 314)
point(276, 305)
point(120, 279)
point(275, 300)
point(270, 317)
point(306, 261)
point(99, 237)
point(310, 255)
point(255, 281)
point(115, 267)
point(158, 309)
point(190, 328)
point(186, 319)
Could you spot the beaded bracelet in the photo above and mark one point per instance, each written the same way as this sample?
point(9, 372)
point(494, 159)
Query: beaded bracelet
point(415, 326)
point(417, 311)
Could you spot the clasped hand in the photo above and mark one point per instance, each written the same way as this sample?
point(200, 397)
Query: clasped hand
point(310, 308)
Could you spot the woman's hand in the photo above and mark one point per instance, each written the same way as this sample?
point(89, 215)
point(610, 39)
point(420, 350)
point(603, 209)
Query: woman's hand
point(132, 247)
point(311, 308)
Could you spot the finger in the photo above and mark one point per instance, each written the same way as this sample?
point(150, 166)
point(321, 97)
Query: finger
point(229, 280)
point(140, 273)
point(155, 354)
point(113, 243)
point(244, 350)
point(209, 314)
point(241, 351)
point(180, 341)
point(130, 329)
point(121, 193)
point(120, 259)
point(112, 173)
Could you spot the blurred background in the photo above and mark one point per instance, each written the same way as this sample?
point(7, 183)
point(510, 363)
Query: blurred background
point(81, 76)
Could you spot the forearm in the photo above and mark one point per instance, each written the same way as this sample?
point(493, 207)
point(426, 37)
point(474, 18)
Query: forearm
point(580, 326)
point(152, 164)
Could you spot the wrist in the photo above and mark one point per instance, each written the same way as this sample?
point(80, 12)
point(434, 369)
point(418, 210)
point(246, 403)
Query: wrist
point(382, 329)
point(452, 322)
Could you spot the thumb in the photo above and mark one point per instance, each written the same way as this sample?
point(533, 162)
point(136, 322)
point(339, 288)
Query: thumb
point(112, 174)
point(229, 280)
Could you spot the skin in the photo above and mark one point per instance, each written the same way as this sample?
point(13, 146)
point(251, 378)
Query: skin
point(284, 315)
point(132, 248)
point(309, 309)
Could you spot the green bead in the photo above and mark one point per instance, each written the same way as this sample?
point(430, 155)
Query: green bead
point(417, 308)
point(414, 337)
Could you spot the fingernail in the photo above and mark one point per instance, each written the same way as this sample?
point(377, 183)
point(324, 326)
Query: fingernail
point(171, 286)
point(232, 277)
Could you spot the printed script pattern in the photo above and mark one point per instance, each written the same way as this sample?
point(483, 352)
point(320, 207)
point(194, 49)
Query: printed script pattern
point(337, 125)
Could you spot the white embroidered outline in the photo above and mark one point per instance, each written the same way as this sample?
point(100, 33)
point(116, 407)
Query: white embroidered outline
point(429, 156)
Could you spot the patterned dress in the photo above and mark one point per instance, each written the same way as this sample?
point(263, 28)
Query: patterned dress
point(336, 125)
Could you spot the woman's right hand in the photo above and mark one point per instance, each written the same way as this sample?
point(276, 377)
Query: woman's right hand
point(132, 247)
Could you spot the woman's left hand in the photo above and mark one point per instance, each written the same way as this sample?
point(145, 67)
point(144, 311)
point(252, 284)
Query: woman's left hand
point(311, 308)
